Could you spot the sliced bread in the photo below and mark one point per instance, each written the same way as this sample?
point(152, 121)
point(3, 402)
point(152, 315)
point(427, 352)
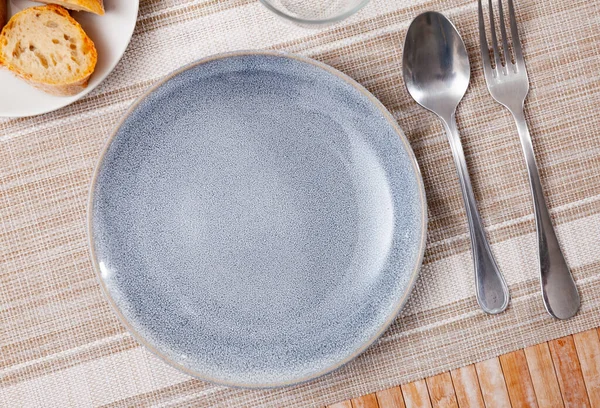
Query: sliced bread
point(48, 48)
point(93, 6)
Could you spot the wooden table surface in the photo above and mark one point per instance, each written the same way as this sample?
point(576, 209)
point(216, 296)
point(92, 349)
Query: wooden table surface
point(560, 373)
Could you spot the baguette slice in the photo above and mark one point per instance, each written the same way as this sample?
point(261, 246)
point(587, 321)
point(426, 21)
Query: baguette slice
point(49, 49)
point(93, 6)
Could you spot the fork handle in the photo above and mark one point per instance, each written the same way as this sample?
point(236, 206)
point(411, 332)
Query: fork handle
point(491, 289)
point(558, 287)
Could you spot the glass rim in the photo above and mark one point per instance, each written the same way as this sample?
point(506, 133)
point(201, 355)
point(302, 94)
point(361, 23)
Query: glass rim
point(340, 17)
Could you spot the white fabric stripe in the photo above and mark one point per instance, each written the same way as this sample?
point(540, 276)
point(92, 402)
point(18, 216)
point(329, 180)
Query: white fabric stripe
point(514, 256)
point(65, 354)
point(94, 383)
point(515, 221)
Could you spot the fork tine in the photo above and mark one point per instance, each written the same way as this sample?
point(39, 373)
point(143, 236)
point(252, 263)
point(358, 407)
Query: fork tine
point(516, 42)
point(507, 59)
point(483, 44)
point(494, 38)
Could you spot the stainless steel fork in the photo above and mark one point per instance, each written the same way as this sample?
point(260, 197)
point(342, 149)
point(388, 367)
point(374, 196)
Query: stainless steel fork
point(508, 83)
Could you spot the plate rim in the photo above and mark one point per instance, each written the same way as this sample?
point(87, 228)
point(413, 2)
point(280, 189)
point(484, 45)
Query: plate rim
point(399, 304)
point(88, 89)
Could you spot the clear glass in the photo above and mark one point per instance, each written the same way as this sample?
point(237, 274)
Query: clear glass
point(314, 12)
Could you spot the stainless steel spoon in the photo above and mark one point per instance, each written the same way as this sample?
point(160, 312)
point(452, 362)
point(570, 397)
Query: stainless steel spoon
point(437, 73)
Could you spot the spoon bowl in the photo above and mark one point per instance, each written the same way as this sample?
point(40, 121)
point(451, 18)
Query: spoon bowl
point(435, 63)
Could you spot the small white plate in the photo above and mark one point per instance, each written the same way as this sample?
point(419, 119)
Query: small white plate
point(111, 33)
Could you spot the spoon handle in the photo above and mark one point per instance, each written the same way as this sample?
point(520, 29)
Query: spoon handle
point(491, 289)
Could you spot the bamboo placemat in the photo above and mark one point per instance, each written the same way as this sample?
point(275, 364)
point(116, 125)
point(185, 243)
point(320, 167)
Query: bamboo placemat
point(61, 345)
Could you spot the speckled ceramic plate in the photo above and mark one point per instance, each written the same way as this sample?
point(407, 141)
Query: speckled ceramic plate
point(257, 219)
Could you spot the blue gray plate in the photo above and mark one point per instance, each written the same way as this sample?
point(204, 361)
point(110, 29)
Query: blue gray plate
point(257, 219)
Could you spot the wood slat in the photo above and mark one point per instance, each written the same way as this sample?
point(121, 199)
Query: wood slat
point(491, 381)
point(561, 373)
point(343, 404)
point(390, 398)
point(466, 386)
point(441, 391)
point(587, 345)
point(518, 381)
point(416, 395)
point(568, 370)
point(543, 376)
point(366, 401)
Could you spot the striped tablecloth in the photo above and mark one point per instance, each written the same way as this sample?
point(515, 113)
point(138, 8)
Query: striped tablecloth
point(61, 345)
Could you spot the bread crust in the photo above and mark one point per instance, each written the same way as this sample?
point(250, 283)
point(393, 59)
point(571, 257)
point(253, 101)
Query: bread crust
point(61, 90)
point(3, 13)
point(93, 6)
point(54, 88)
